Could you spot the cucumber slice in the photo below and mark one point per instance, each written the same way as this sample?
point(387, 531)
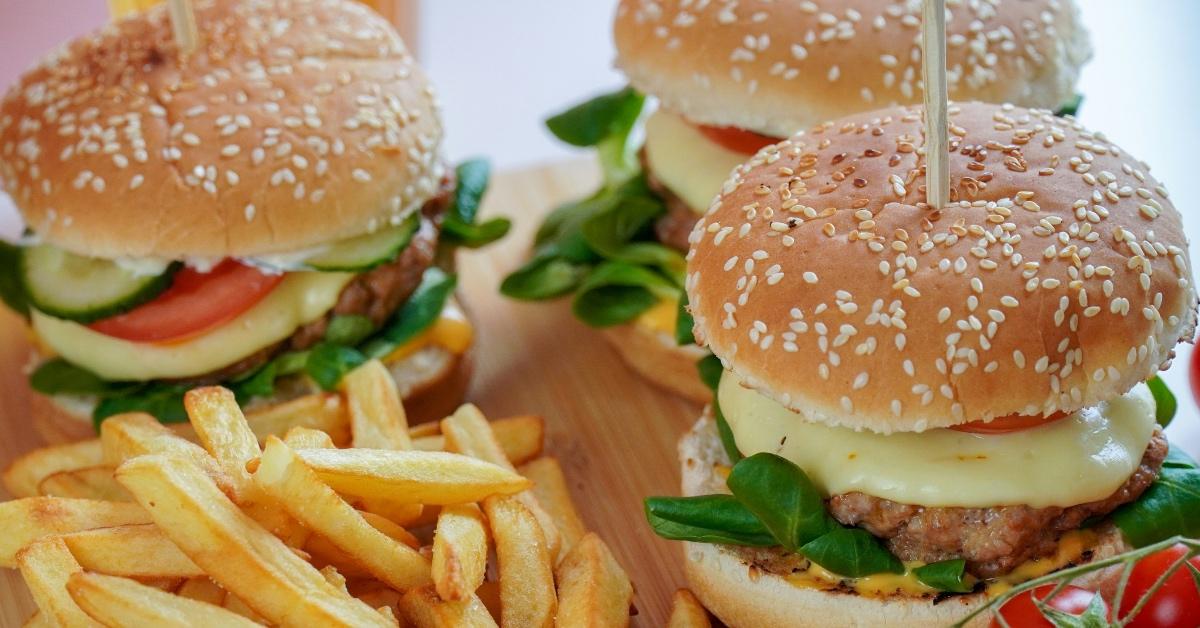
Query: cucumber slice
point(85, 289)
point(367, 251)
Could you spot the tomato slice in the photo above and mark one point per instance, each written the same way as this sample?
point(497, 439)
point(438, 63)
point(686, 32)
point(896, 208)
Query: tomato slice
point(1021, 612)
point(737, 140)
point(1010, 423)
point(196, 302)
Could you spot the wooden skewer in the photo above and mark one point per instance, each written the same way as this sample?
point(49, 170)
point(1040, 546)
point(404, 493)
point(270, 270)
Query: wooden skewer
point(183, 25)
point(933, 62)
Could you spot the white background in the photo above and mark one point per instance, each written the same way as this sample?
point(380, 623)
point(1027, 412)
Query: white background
point(501, 66)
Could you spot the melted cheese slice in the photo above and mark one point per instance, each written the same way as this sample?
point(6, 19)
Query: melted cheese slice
point(1084, 457)
point(299, 299)
point(660, 318)
point(688, 163)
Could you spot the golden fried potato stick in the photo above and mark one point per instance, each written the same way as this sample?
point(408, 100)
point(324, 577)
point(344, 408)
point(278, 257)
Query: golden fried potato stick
point(23, 476)
point(377, 419)
point(527, 595)
point(422, 608)
point(418, 477)
point(550, 488)
point(117, 601)
point(126, 436)
point(593, 589)
point(460, 552)
point(223, 431)
point(687, 612)
point(307, 438)
point(521, 437)
point(47, 565)
point(202, 589)
point(132, 551)
point(85, 483)
point(468, 432)
point(26, 520)
point(323, 411)
point(234, 550)
point(293, 485)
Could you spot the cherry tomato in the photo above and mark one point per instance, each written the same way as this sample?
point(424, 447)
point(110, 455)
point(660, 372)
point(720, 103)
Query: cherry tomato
point(737, 140)
point(1021, 612)
point(1176, 604)
point(1194, 373)
point(1010, 423)
point(196, 302)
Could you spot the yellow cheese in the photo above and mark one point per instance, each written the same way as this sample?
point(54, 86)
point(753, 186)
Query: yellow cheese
point(688, 163)
point(1078, 459)
point(299, 299)
point(661, 317)
point(1070, 548)
point(452, 331)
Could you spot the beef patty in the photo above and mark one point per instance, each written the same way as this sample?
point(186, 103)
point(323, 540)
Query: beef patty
point(376, 293)
point(992, 540)
point(673, 227)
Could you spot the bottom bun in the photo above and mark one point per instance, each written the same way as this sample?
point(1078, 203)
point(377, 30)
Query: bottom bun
point(656, 357)
point(743, 595)
point(432, 381)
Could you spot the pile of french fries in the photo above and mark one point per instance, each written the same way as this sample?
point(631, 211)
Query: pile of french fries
point(323, 511)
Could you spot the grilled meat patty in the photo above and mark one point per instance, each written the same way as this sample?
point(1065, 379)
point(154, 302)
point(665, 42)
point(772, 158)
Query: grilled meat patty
point(992, 540)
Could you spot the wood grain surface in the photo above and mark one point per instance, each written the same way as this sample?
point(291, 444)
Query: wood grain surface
point(614, 434)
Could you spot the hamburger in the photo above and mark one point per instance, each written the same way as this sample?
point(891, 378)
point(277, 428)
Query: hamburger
point(264, 213)
point(728, 79)
point(919, 408)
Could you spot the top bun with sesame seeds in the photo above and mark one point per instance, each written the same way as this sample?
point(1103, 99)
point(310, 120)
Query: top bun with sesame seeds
point(294, 124)
point(1058, 277)
point(776, 67)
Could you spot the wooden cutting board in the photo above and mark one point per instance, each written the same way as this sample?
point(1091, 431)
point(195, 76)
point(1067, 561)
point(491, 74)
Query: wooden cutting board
point(614, 434)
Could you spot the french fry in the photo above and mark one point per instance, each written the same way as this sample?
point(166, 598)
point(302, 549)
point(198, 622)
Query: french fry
point(521, 437)
point(235, 605)
point(126, 436)
point(527, 596)
point(223, 431)
point(391, 529)
point(301, 437)
point(46, 565)
point(38, 620)
point(377, 419)
point(284, 477)
point(550, 488)
point(376, 595)
point(233, 549)
point(687, 612)
point(423, 477)
point(335, 578)
point(396, 512)
point(85, 483)
point(134, 551)
point(468, 432)
point(325, 553)
point(422, 608)
point(323, 411)
point(202, 589)
point(26, 520)
point(23, 476)
point(116, 601)
point(460, 551)
point(593, 590)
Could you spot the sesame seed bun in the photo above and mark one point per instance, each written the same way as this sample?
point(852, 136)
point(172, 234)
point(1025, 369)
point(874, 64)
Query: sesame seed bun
point(742, 595)
point(1058, 277)
point(660, 360)
point(777, 67)
point(295, 123)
